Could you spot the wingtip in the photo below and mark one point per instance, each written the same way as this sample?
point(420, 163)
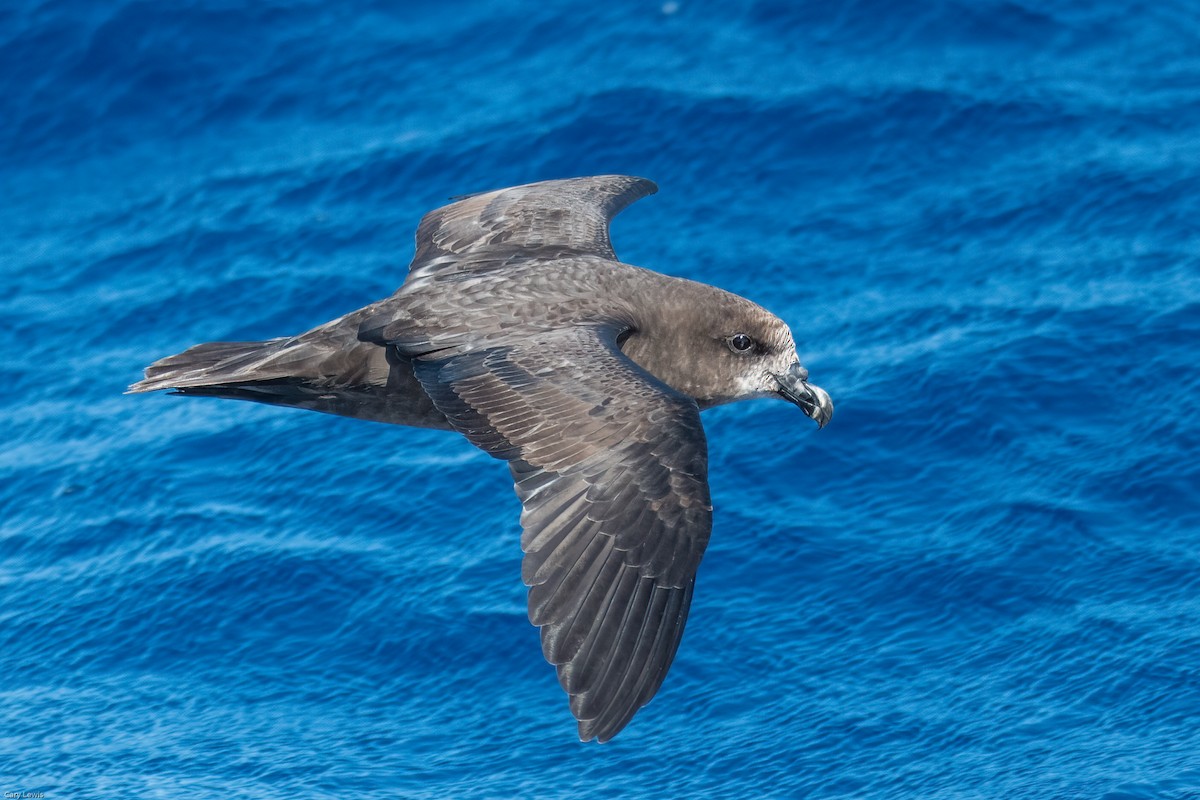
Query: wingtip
point(650, 186)
point(586, 734)
point(602, 730)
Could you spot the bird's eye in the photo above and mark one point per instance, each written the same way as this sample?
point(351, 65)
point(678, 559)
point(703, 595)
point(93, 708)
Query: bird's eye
point(740, 343)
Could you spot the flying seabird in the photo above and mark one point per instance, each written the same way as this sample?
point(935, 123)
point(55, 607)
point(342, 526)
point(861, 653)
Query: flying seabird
point(518, 327)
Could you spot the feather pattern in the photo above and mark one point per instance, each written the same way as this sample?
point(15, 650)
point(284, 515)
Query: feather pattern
point(614, 523)
point(518, 328)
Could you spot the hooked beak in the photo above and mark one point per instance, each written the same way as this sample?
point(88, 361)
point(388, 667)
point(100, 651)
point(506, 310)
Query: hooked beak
point(813, 400)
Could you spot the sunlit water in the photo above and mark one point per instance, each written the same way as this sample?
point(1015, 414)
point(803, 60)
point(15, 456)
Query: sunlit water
point(980, 219)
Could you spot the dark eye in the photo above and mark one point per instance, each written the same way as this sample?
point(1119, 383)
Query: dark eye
point(740, 343)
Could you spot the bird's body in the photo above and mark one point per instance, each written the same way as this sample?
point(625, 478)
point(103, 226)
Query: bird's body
point(518, 328)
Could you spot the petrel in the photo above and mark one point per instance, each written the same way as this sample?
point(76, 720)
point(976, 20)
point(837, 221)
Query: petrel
point(518, 327)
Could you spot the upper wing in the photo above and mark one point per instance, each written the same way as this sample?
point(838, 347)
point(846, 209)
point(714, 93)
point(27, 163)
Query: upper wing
point(548, 218)
point(611, 467)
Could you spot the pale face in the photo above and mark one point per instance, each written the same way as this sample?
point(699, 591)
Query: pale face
point(738, 351)
point(756, 357)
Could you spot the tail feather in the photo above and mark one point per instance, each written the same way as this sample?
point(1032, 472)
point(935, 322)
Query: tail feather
point(214, 364)
point(326, 369)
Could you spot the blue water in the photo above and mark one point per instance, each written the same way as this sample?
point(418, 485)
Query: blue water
point(981, 219)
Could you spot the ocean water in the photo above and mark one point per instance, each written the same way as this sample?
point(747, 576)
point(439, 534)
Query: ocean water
point(981, 220)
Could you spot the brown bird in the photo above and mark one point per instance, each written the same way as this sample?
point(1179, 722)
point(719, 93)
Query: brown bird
point(518, 327)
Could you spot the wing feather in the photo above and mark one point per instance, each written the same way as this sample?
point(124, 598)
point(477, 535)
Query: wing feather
point(616, 510)
point(539, 220)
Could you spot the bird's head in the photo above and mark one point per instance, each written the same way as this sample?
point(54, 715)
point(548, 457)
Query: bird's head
point(736, 350)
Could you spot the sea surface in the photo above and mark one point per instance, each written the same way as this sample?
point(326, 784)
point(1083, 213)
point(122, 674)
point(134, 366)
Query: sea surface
point(981, 220)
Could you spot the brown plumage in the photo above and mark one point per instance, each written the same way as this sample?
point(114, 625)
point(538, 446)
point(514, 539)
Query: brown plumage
point(518, 327)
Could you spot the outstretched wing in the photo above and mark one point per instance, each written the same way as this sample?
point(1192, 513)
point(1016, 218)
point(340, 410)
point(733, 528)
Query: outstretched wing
point(547, 221)
point(551, 218)
point(611, 468)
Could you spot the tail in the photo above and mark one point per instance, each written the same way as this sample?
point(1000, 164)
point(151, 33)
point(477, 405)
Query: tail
point(214, 366)
point(327, 369)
